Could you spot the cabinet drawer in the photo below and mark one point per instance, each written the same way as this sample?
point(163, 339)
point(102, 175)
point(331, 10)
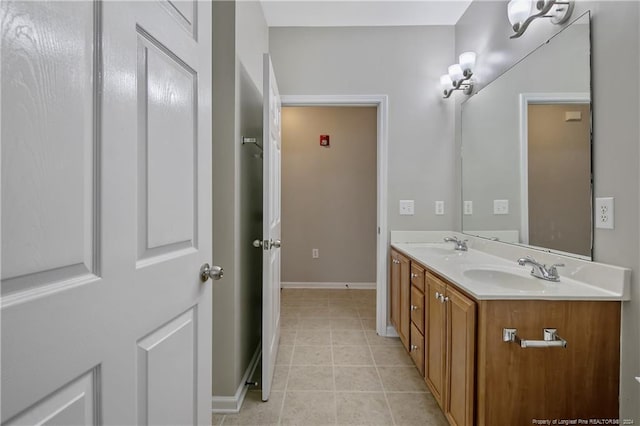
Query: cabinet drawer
point(417, 308)
point(416, 350)
point(417, 276)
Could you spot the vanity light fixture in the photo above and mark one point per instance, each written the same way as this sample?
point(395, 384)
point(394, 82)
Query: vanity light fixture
point(459, 76)
point(521, 13)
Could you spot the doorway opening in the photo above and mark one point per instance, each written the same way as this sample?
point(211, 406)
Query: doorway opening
point(322, 189)
point(556, 185)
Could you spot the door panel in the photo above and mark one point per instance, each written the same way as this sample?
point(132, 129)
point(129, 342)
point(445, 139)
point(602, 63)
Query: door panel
point(106, 213)
point(167, 168)
point(271, 227)
point(185, 13)
point(435, 329)
point(49, 147)
point(165, 363)
point(461, 337)
point(73, 404)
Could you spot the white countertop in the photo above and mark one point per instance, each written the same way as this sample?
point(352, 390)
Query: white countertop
point(487, 276)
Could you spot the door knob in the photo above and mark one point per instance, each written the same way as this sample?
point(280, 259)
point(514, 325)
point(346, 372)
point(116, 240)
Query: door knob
point(213, 272)
point(257, 243)
point(276, 243)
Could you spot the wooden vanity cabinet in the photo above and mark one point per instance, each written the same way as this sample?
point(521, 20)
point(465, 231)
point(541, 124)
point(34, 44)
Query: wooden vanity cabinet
point(477, 378)
point(450, 349)
point(400, 296)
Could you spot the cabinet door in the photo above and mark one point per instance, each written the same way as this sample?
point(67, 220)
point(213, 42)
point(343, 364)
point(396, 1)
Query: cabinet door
point(394, 290)
point(404, 315)
point(435, 337)
point(417, 348)
point(417, 308)
point(460, 371)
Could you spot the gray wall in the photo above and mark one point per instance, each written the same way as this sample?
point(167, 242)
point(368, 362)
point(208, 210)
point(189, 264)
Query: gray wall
point(329, 194)
point(615, 63)
point(224, 368)
point(240, 39)
point(252, 41)
point(404, 63)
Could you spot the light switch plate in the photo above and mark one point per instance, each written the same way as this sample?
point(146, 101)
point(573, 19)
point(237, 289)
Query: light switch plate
point(468, 207)
point(439, 208)
point(406, 207)
point(500, 206)
point(604, 213)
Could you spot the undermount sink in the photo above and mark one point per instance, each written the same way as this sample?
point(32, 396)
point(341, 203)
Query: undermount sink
point(505, 277)
point(442, 251)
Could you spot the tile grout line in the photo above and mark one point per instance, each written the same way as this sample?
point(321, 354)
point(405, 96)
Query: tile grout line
point(333, 374)
point(286, 382)
point(384, 390)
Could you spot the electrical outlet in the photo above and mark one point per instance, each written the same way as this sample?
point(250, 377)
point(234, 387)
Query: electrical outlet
point(604, 213)
point(468, 207)
point(500, 206)
point(406, 207)
point(439, 208)
point(315, 253)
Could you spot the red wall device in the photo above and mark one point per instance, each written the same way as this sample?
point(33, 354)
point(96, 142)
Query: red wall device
point(324, 140)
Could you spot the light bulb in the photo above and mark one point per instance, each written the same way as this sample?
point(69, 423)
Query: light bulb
point(519, 10)
point(468, 61)
point(445, 82)
point(455, 72)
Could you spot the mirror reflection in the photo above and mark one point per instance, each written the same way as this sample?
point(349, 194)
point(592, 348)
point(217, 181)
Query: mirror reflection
point(526, 149)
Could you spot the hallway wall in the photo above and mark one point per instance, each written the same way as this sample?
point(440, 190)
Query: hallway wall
point(329, 195)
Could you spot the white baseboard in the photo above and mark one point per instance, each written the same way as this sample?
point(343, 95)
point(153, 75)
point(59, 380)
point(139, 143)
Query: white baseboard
point(232, 404)
point(334, 285)
point(391, 331)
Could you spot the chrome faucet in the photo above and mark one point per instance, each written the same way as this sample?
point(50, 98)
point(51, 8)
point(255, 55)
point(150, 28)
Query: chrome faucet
point(460, 244)
point(541, 271)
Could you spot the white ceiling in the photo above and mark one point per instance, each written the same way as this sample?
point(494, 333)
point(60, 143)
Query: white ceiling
point(358, 13)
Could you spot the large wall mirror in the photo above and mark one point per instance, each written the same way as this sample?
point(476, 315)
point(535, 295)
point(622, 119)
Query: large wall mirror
point(526, 149)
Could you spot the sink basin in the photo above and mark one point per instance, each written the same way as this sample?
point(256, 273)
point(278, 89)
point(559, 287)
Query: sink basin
point(441, 251)
point(514, 279)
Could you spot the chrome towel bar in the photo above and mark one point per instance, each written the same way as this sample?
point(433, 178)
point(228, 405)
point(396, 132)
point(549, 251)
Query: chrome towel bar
point(550, 339)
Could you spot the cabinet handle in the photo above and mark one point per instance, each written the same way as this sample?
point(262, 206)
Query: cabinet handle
point(414, 308)
point(414, 275)
point(445, 299)
point(437, 295)
point(413, 348)
point(550, 339)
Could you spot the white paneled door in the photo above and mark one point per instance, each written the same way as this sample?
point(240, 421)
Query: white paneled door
point(271, 226)
point(106, 212)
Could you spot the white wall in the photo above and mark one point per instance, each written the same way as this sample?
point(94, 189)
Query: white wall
point(404, 63)
point(616, 135)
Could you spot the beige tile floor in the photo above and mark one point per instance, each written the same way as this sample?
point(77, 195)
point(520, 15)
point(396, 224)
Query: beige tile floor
point(333, 369)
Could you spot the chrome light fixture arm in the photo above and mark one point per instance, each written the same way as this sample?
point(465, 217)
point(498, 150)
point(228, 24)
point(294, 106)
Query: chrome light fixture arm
point(465, 84)
point(561, 14)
